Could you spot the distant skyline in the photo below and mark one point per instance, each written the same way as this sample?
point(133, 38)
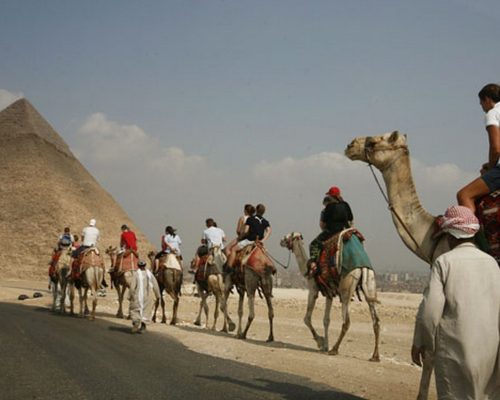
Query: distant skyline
point(185, 110)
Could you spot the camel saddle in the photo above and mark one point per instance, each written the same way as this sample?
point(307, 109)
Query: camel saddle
point(126, 261)
point(488, 213)
point(255, 257)
point(80, 264)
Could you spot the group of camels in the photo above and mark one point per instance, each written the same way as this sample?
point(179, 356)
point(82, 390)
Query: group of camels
point(390, 155)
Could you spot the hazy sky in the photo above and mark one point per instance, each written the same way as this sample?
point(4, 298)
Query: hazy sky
point(189, 109)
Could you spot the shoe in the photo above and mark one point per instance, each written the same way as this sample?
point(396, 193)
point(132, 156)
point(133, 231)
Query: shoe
point(143, 326)
point(136, 329)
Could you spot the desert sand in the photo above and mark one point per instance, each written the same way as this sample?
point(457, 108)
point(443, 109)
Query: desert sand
point(294, 350)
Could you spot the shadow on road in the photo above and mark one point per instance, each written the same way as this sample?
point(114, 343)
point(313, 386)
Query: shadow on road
point(287, 390)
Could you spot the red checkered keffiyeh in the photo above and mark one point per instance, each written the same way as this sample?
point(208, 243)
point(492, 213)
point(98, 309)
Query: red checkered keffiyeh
point(460, 222)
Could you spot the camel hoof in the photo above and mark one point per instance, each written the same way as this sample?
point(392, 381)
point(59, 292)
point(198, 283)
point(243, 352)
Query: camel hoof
point(119, 315)
point(270, 339)
point(333, 352)
point(241, 336)
point(164, 321)
point(375, 359)
point(173, 322)
point(232, 326)
point(224, 330)
point(197, 323)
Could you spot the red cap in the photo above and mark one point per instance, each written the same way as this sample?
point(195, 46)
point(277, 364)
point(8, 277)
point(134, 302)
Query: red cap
point(334, 191)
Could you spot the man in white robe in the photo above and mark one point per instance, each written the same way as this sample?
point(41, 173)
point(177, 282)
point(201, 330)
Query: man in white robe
point(458, 319)
point(144, 292)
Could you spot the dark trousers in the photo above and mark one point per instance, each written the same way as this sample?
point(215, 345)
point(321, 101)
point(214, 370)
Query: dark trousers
point(317, 245)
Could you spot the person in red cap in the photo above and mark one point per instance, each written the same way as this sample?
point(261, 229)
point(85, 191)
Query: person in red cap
point(335, 217)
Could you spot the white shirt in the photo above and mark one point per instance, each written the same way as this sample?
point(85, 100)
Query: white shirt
point(492, 117)
point(459, 319)
point(214, 237)
point(174, 242)
point(90, 236)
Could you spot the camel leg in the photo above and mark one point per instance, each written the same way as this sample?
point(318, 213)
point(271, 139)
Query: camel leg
point(71, 299)
point(240, 313)
point(347, 288)
point(174, 313)
point(326, 323)
point(120, 291)
point(203, 307)
point(311, 303)
point(54, 296)
point(62, 305)
point(229, 325)
point(216, 310)
point(376, 331)
point(251, 283)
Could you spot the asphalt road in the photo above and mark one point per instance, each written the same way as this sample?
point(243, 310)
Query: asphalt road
point(47, 356)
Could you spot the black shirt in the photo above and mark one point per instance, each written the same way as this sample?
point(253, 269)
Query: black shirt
point(257, 227)
point(337, 216)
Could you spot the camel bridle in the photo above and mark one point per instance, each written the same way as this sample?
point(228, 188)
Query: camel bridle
point(369, 148)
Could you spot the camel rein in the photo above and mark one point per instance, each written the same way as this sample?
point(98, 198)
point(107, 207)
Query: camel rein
point(386, 198)
point(275, 260)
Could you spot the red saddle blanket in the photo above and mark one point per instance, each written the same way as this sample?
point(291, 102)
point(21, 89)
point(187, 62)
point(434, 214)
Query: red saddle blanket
point(488, 212)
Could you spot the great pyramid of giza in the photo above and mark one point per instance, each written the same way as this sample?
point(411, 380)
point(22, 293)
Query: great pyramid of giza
point(43, 188)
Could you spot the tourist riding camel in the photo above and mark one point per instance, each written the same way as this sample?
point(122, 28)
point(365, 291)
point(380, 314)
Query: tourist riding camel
point(257, 229)
point(248, 211)
point(335, 217)
point(489, 181)
point(213, 236)
point(170, 243)
point(90, 237)
point(65, 239)
point(128, 240)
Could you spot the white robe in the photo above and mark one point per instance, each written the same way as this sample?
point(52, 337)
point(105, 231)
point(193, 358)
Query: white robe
point(143, 293)
point(459, 319)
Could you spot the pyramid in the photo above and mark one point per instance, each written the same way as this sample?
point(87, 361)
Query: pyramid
point(44, 188)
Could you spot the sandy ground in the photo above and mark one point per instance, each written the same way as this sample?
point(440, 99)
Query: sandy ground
point(294, 350)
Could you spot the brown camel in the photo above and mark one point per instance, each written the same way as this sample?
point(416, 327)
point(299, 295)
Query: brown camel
point(346, 289)
point(121, 272)
point(258, 270)
point(169, 277)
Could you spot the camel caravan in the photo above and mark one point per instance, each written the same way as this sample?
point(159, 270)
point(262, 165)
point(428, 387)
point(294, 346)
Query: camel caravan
point(337, 264)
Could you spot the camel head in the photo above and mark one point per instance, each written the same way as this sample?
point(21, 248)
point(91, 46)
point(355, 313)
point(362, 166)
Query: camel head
point(378, 150)
point(287, 240)
point(111, 251)
point(152, 255)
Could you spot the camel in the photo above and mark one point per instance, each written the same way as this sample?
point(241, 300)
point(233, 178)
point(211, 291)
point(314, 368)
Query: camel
point(92, 274)
point(209, 280)
point(346, 289)
point(258, 275)
point(122, 267)
point(62, 285)
point(390, 155)
point(169, 277)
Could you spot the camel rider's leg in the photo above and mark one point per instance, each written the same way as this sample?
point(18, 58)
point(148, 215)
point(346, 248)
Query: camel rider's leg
point(315, 249)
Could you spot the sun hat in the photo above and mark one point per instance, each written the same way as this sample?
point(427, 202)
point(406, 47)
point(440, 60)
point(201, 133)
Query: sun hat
point(92, 222)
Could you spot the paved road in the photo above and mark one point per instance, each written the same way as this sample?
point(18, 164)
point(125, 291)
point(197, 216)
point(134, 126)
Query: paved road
point(47, 356)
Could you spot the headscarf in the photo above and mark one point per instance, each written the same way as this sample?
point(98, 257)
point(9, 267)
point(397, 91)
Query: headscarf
point(460, 222)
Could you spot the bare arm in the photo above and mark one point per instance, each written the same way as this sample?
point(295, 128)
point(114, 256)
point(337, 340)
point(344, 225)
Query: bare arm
point(494, 140)
point(267, 233)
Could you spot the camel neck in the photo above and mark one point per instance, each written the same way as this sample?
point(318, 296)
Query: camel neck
point(405, 203)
